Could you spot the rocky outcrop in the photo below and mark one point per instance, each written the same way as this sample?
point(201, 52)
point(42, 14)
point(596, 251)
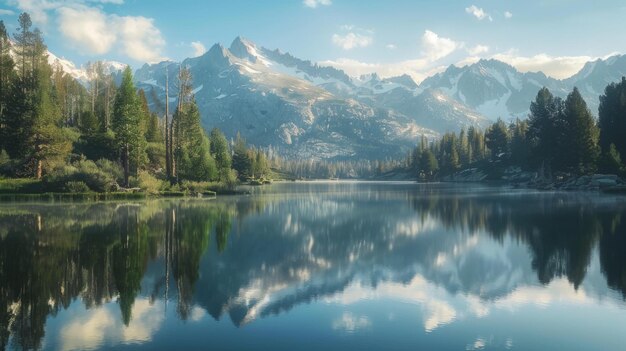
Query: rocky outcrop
point(595, 182)
point(471, 175)
point(515, 176)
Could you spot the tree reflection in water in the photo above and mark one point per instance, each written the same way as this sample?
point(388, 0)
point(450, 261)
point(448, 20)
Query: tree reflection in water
point(51, 255)
point(561, 230)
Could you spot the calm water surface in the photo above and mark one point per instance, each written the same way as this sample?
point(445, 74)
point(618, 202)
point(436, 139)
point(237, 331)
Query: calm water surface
point(310, 266)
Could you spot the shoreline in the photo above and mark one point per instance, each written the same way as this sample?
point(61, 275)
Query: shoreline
point(564, 186)
point(99, 197)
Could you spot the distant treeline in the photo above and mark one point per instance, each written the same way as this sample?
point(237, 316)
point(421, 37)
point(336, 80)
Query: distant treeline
point(319, 169)
point(559, 137)
point(99, 136)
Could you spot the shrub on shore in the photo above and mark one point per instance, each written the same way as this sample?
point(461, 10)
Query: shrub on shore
point(95, 178)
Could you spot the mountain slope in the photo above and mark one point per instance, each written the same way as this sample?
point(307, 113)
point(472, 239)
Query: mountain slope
point(270, 103)
point(492, 88)
point(495, 89)
point(305, 110)
point(595, 76)
point(80, 73)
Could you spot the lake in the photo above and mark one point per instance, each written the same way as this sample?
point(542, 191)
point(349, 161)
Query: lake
point(310, 266)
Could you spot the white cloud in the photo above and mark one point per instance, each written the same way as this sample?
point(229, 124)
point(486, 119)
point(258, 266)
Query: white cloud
point(197, 314)
point(351, 323)
point(352, 40)
point(479, 13)
point(478, 50)
point(198, 48)
point(87, 28)
point(438, 313)
point(479, 344)
point(418, 69)
point(140, 39)
point(36, 8)
point(391, 46)
point(88, 329)
point(467, 61)
point(435, 47)
point(4, 12)
point(508, 14)
point(94, 32)
point(559, 67)
point(315, 3)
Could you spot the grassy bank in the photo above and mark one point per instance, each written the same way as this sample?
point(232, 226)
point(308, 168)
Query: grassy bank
point(20, 190)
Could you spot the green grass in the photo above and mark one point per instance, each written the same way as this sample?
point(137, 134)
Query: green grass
point(172, 193)
point(51, 197)
point(19, 185)
point(25, 189)
point(280, 175)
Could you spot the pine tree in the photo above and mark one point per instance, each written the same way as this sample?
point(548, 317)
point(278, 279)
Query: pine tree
point(260, 168)
point(7, 75)
point(476, 142)
point(127, 127)
point(192, 152)
point(16, 127)
point(612, 118)
point(428, 165)
point(145, 112)
point(191, 158)
point(32, 128)
point(464, 148)
point(153, 132)
point(241, 159)
point(544, 130)
point(177, 127)
point(23, 42)
point(455, 161)
point(497, 139)
point(47, 139)
point(19, 113)
point(611, 161)
point(581, 144)
point(89, 123)
point(221, 153)
point(519, 147)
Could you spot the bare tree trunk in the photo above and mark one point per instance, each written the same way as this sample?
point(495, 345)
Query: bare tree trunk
point(168, 154)
point(170, 138)
point(107, 106)
point(39, 171)
point(126, 165)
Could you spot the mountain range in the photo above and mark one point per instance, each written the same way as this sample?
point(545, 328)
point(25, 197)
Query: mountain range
point(304, 110)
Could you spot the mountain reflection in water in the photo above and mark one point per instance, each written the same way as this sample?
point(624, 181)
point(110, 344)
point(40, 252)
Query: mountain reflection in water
point(453, 250)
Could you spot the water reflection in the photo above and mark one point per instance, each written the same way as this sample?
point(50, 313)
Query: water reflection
point(51, 255)
point(120, 267)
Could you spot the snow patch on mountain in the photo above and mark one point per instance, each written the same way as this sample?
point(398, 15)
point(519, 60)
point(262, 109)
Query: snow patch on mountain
point(80, 73)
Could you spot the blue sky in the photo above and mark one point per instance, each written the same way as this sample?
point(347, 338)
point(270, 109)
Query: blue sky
point(389, 37)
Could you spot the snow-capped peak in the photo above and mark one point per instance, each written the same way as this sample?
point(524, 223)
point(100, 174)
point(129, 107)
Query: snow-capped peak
point(404, 80)
point(67, 66)
point(245, 49)
point(80, 73)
